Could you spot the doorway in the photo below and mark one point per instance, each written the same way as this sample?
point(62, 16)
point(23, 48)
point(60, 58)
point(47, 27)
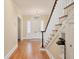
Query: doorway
point(34, 27)
point(19, 29)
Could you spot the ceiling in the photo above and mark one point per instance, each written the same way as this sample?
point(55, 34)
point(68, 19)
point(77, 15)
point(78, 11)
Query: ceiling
point(34, 7)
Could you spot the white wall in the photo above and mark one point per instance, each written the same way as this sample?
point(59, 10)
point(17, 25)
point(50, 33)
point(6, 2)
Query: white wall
point(10, 31)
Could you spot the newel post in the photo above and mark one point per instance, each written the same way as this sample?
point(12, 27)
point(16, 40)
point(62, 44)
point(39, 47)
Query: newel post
point(42, 39)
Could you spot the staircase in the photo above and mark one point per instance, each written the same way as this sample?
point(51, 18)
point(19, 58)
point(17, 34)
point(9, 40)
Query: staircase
point(58, 24)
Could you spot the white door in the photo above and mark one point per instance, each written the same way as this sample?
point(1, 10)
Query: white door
point(29, 29)
point(34, 27)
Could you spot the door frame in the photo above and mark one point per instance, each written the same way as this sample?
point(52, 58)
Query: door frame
point(19, 29)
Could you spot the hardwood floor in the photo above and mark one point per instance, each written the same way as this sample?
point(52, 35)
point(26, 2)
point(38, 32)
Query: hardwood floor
point(29, 50)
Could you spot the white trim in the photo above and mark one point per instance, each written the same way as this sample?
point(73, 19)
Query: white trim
point(35, 40)
point(24, 38)
point(10, 52)
point(27, 38)
point(42, 49)
point(49, 54)
point(31, 38)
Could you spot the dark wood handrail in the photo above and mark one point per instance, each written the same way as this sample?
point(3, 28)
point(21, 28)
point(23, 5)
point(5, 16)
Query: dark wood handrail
point(50, 15)
point(48, 23)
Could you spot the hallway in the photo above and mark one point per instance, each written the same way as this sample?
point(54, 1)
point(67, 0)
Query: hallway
point(46, 24)
point(28, 49)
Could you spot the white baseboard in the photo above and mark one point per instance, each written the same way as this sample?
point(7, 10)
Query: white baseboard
point(42, 49)
point(24, 38)
point(49, 54)
point(32, 38)
point(10, 52)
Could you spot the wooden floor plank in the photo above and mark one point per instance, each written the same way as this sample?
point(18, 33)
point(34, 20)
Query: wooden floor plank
point(29, 50)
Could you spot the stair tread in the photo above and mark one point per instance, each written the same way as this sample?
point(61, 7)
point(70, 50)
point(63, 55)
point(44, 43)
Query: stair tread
point(63, 16)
